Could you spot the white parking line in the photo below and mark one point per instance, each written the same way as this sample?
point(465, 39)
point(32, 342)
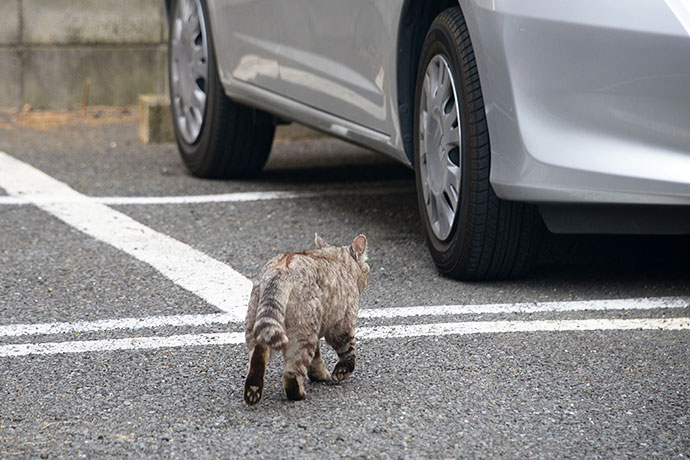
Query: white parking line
point(366, 333)
point(496, 327)
point(193, 270)
point(646, 303)
point(18, 330)
point(173, 341)
point(216, 198)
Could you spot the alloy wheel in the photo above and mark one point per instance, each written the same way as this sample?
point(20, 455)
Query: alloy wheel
point(189, 68)
point(440, 146)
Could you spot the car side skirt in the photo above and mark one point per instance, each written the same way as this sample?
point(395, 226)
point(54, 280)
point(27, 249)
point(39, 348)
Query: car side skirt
point(616, 219)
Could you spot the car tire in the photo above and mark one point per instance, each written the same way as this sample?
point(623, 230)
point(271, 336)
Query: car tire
point(470, 232)
point(217, 137)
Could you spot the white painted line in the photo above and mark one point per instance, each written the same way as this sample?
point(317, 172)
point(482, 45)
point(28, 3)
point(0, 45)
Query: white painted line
point(16, 330)
point(193, 270)
point(217, 198)
point(366, 333)
point(646, 303)
point(496, 327)
point(135, 343)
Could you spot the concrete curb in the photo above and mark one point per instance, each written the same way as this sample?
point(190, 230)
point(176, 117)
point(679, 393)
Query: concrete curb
point(155, 123)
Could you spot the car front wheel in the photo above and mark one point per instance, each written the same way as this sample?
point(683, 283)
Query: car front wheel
point(471, 233)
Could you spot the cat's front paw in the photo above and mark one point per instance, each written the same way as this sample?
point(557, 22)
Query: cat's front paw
point(342, 370)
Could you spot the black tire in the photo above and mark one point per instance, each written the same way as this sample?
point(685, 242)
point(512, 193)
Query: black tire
point(489, 238)
point(234, 140)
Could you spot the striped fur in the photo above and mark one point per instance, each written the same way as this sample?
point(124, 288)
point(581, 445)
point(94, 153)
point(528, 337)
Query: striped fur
point(269, 326)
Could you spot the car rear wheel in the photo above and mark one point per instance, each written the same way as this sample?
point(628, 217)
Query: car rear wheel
point(471, 233)
point(217, 137)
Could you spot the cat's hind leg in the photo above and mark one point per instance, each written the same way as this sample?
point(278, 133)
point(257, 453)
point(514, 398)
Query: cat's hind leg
point(344, 345)
point(317, 371)
point(298, 357)
point(254, 384)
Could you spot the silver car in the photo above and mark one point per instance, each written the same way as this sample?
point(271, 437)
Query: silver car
point(513, 113)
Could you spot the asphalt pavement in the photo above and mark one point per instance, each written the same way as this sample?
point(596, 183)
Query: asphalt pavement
point(110, 349)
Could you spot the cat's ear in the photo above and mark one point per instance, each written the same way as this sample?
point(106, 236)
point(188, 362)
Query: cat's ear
point(319, 242)
point(358, 248)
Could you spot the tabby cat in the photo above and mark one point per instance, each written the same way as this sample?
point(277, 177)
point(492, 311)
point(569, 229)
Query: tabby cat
point(298, 298)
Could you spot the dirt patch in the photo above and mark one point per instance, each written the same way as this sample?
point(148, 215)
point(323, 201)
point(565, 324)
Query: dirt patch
point(49, 120)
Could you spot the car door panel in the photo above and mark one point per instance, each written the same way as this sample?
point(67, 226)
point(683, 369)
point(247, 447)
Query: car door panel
point(248, 39)
point(336, 57)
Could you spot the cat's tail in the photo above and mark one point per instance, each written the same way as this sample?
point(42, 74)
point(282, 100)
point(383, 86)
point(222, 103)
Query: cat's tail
point(269, 326)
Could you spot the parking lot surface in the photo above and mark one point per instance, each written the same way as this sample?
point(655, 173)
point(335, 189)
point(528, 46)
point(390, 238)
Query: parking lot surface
point(123, 285)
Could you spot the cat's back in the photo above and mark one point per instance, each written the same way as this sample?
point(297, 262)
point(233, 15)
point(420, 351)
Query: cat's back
point(313, 265)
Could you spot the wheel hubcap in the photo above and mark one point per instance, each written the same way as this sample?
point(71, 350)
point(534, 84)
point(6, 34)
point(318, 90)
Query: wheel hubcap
point(189, 68)
point(439, 146)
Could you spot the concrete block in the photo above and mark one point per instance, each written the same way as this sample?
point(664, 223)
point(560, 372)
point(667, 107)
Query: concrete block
point(155, 122)
point(92, 21)
point(10, 79)
point(54, 78)
point(9, 22)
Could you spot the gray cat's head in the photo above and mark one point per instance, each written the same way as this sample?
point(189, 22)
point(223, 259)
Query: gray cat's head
point(357, 252)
